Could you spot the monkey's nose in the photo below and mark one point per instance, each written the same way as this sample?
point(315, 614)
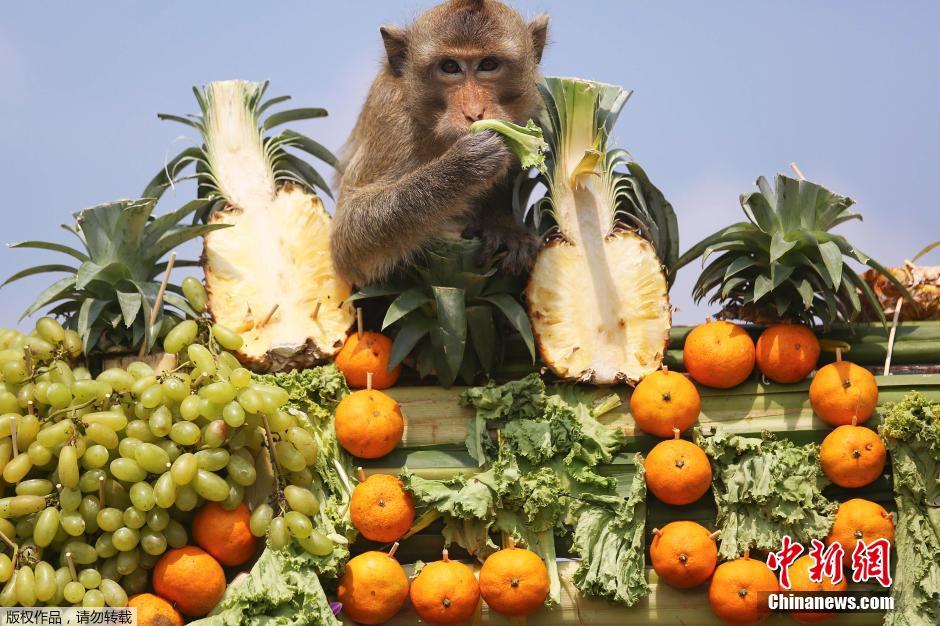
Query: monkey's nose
point(474, 117)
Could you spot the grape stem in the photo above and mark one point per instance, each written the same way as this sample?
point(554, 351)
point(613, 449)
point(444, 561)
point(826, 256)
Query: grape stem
point(269, 438)
point(71, 563)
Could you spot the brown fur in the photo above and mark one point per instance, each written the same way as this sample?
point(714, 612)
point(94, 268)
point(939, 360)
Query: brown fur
point(410, 171)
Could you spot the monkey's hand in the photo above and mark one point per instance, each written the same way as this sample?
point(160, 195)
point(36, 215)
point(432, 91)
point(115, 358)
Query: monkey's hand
point(484, 156)
point(514, 247)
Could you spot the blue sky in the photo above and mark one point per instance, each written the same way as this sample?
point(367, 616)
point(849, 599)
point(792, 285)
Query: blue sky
point(725, 91)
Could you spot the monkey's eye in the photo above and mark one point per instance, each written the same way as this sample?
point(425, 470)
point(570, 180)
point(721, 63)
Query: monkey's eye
point(449, 66)
point(488, 64)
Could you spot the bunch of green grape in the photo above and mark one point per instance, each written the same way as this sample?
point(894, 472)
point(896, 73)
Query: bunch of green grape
point(101, 475)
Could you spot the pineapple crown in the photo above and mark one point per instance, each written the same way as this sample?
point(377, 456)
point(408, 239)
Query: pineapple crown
point(783, 263)
point(261, 161)
point(577, 121)
point(108, 295)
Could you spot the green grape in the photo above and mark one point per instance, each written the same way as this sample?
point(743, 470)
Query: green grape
point(172, 450)
point(128, 447)
point(17, 468)
point(110, 519)
point(176, 387)
point(27, 428)
point(60, 372)
point(215, 433)
point(219, 392)
point(164, 491)
point(6, 451)
point(81, 373)
point(135, 582)
point(195, 294)
point(175, 534)
point(102, 435)
point(227, 338)
point(186, 498)
point(125, 538)
point(288, 456)
point(233, 414)
point(160, 422)
point(278, 534)
point(142, 496)
point(88, 509)
point(139, 369)
point(241, 469)
point(24, 526)
point(34, 487)
point(203, 363)
point(57, 434)
point(212, 459)
point(7, 420)
point(105, 547)
point(158, 519)
point(115, 420)
point(238, 439)
point(189, 408)
point(109, 567)
point(298, 524)
point(304, 442)
point(280, 421)
point(127, 470)
point(8, 595)
point(236, 494)
point(152, 458)
point(140, 429)
point(114, 595)
point(120, 380)
point(90, 578)
point(210, 486)
point(86, 390)
point(141, 412)
point(250, 400)
point(73, 592)
point(14, 372)
point(180, 336)
point(62, 578)
point(240, 377)
point(50, 330)
point(39, 454)
point(143, 384)
point(68, 467)
point(185, 433)
point(209, 410)
point(134, 518)
point(18, 506)
point(73, 343)
point(70, 499)
point(227, 364)
point(301, 500)
point(82, 553)
point(42, 386)
point(152, 542)
point(8, 402)
point(6, 568)
point(93, 599)
point(47, 524)
point(25, 586)
point(316, 544)
point(95, 457)
point(152, 396)
point(7, 528)
point(184, 468)
point(44, 580)
point(41, 349)
point(72, 523)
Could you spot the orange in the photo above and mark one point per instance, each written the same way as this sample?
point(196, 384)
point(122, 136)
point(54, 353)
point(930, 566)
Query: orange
point(665, 400)
point(369, 424)
point(842, 391)
point(719, 354)
point(191, 579)
point(787, 353)
point(739, 589)
point(860, 520)
point(852, 456)
point(373, 588)
point(677, 471)
point(154, 611)
point(381, 509)
point(370, 354)
point(225, 534)
point(445, 593)
point(684, 554)
point(799, 581)
point(514, 582)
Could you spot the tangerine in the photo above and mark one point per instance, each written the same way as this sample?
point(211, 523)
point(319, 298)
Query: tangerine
point(852, 456)
point(369, 424)
point(739, 589)
point(843, 391)
point(787, 353)
point(665, 400)
point(154, 611)
point(369, 354)
point(860, 520)
point(373, 587)
point(684, 554)
point(677, 471)
point(445, 593)
point(191, 579)
point(381, 509)
point(225, 534)
point(719, 354)
point(514, 581)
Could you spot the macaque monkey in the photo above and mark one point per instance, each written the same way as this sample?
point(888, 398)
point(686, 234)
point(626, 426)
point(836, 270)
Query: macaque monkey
point(411, 172)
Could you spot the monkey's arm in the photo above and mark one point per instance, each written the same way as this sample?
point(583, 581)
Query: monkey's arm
point(381, 224)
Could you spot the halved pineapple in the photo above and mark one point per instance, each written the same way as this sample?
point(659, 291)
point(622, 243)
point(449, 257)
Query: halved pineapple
point(270, 277)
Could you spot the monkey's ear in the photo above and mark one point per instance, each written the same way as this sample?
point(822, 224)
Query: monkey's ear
point(396, 47)
point(538, 28)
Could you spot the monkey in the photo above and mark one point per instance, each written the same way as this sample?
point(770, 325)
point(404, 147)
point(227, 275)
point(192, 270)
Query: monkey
point(411, 172)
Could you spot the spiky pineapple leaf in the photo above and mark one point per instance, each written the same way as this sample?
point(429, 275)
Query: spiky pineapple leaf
point(292, 115)
point(38, 269)
point(403, 305)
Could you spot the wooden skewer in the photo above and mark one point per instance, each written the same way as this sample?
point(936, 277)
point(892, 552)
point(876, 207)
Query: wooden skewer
point(267, 318)
point(894, 328)
point(838, 355)
point(158, 302)
point(101, 491)
point(71, 562)
point(13, 436)
point(796, 170)
point(361, 474)
point(715, 535)
point(445, 555)
point(369, 381)
point(7, 541)
point(359, 322)
point(29, 407)
point(316, 310)
point(394, 549)
point(675, 433)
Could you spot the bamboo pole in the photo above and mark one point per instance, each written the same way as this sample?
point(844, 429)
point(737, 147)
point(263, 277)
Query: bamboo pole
point(157, 303)
point(894, 330)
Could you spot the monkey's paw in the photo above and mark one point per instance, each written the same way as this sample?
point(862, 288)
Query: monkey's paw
point(513, 248)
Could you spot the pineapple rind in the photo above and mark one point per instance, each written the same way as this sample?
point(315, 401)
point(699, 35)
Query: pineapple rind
point(278, 254)
point(601, 317)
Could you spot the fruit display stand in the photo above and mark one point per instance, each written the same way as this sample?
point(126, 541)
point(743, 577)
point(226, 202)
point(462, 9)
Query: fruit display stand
point(433, 447)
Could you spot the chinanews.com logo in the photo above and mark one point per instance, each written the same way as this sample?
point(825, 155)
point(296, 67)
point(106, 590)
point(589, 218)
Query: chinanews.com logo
point(868, 563)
